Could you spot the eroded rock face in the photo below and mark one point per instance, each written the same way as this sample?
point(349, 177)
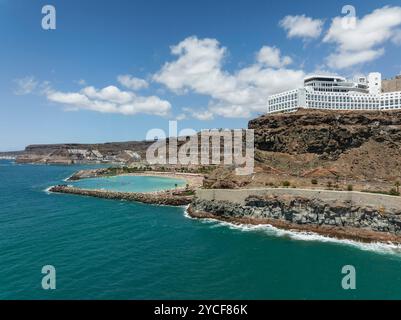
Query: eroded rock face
point(326, 133)
point(302, 211)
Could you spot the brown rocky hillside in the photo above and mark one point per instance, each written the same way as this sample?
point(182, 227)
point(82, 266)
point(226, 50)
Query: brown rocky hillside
point(336, 149)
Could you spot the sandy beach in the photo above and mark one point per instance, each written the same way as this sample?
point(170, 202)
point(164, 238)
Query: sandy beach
point(193, 180)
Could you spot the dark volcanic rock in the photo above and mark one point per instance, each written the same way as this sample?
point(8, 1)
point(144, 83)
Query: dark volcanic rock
point(340, 219)
point(325, 133)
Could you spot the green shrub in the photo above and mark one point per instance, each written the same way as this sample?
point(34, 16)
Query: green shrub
point(393, 192)
point(286, 184)
point(314, 181)
point(350, 187)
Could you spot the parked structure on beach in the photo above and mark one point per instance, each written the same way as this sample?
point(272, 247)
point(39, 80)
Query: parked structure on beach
point(337, 93)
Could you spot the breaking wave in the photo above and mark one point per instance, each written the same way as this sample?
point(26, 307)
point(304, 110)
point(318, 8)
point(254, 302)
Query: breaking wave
point(377, 247)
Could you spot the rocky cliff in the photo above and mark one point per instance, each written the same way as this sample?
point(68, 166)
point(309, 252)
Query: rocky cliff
point(341, 219)
point(327, 134)
point(311, 148)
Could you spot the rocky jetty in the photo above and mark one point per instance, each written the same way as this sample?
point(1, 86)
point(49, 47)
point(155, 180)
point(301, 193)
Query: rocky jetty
point(341, 219)
point(168, 198)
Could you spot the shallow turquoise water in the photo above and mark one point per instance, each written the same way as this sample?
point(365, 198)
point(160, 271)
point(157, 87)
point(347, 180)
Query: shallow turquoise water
point(129, 183)
point(106, 249)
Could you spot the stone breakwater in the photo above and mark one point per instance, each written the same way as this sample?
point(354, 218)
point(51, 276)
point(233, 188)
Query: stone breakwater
point(339, 219)
point(168, 198)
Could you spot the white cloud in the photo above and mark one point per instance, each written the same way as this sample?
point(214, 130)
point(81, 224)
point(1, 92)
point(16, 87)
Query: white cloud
point(346, 59)
point(271, 57)
point(110, 100)
point(302, 26)
point(198, 68)
point(397, 37)
point(132, 83)
point(181, 116)
point(110, 93)
point(233, 111)
point(25, 85)
point(199, 60)
point(362, 43)
point(106, 100)
point(202, 115)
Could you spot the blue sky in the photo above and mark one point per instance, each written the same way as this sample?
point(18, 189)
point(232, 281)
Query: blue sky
point(112, 70)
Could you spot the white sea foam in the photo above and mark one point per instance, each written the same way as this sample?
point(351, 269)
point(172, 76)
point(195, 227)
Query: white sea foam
point(47, 190)
point(377, 247)
point(68, 178)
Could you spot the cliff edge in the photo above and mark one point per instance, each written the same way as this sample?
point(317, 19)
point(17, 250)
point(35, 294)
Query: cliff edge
point(323, 149)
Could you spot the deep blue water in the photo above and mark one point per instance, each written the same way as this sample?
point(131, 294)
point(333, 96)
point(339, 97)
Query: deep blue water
point(106, 249)
point(129, 183)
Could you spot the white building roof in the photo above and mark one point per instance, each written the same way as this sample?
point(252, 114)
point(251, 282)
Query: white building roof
point(319, 76)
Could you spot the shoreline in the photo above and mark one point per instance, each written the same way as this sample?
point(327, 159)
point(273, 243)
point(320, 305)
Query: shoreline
point(179, 196)
point(232, 209)
point(194, 181)
point(339, 233)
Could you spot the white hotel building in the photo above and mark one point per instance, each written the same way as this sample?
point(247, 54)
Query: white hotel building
point(336, 93)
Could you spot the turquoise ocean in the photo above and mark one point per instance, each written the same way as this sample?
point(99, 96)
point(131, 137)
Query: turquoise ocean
point(107, 249)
